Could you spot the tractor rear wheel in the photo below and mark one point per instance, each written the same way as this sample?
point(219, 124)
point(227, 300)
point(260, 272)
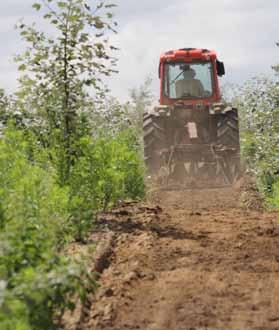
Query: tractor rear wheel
point(228, 138)
point(154, 138)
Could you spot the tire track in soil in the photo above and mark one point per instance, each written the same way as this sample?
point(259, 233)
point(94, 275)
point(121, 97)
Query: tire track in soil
point(189, 260)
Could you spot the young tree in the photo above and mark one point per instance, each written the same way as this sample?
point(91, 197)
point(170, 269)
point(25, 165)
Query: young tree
point(141, 99)
point(61, 65)
point(258, 104)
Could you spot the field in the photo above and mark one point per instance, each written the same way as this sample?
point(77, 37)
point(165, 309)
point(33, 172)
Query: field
point(192, 259)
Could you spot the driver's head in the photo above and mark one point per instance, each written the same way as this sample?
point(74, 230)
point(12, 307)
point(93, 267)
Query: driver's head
point(189, 73)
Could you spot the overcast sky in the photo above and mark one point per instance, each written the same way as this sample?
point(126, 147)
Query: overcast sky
point(243, 32)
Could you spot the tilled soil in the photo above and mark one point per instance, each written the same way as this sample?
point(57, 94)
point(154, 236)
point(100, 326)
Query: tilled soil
point(190, 260)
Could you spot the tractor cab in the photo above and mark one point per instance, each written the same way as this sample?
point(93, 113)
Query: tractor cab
point(189, 75)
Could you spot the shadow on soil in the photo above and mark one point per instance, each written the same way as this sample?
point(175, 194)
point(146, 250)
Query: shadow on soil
point(128, 226)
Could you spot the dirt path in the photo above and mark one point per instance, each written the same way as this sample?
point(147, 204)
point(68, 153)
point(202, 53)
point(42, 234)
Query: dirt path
point(196, 261)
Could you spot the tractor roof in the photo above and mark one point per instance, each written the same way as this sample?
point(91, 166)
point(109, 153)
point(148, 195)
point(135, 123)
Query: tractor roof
point(185, 54)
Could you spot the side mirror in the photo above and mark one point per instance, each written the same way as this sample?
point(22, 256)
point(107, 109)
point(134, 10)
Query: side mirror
point(220, 68)
point(159, 71)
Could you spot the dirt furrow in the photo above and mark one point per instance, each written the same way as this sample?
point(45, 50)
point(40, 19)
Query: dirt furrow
point(189, 260)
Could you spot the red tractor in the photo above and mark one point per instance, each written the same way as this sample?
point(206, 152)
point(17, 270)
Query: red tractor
point(192, 134)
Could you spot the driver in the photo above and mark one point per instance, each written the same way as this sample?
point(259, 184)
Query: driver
point(189, 86)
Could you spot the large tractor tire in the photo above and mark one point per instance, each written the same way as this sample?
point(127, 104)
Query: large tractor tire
point(228, 138)
point(154, 140)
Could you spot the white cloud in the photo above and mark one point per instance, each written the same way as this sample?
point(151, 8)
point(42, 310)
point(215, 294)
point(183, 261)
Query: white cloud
point(242, 33)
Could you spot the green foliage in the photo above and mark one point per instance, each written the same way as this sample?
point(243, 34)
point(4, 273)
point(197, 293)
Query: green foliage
point(38, 294)
point(258, 102)
point(109, 169)
point(35, 281)
point(38, 217)
point(273, 198)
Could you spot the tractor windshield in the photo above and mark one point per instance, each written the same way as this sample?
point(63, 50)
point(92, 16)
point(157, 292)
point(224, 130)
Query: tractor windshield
point(193, 80)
